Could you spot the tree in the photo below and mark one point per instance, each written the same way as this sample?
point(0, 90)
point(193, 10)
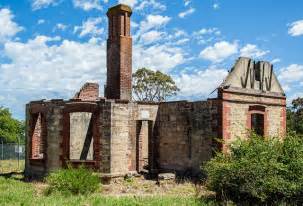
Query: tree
point(11, 130)
point(295, 116)
point(154, 86)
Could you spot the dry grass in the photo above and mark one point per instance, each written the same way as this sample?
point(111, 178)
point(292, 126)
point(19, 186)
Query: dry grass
point(138, 186)
point(7, 166)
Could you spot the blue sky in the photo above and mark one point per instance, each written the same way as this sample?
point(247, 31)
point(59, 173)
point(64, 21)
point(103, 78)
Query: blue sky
point(49, 48)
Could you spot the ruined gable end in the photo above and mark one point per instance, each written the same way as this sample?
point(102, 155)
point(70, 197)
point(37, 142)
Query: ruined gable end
point(251, 99)
point(248, 74)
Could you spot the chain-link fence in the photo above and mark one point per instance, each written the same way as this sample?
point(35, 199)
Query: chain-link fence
point(11, 157)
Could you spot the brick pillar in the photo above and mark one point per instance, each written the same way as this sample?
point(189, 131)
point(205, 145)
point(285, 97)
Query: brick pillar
point(119, 54)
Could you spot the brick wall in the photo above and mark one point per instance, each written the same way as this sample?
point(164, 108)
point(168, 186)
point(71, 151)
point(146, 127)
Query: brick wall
point(38, 136)
point(89, 92)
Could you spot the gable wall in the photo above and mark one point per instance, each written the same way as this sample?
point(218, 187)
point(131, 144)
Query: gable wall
point(235, 114)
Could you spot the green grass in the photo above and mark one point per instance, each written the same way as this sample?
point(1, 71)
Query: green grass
point(14, 192)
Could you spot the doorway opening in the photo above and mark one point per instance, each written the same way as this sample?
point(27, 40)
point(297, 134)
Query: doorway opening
point(257, 123)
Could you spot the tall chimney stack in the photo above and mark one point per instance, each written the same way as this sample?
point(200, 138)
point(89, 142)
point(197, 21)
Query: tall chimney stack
point(119, 54)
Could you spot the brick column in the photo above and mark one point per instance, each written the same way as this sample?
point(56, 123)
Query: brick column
point(119, 54)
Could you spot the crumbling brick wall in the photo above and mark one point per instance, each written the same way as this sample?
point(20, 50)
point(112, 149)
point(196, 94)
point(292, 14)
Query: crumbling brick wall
point(88, 92)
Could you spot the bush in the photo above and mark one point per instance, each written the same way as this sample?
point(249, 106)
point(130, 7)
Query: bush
point(73, 181)
point(259, 171)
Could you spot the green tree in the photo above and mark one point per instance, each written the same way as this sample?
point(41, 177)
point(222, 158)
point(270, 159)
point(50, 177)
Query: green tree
point(154, 86)
point(295, 116)
point(10, 129)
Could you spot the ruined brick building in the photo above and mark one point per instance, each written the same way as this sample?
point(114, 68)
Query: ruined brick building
point(116, 136)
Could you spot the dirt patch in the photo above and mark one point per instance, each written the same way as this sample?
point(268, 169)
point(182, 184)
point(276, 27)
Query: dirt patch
point(138, 186)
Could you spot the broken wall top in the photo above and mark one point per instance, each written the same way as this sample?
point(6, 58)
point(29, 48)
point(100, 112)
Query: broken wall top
point(251, 76)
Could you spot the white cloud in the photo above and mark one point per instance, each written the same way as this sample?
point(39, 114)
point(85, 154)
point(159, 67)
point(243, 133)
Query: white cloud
point(152, 4)
point(40, 4)
point(151, 37)
point(180, 33)
point(252, 51)
point(187, 2)
point(8, 27)
point(198, 83)
point(219, 51)
point(294, 96)
point(216, 6)
point(182, 41)
point(292, 73)
point(134, 24)
point(130, 3)
point(276, 60)
point(205, 31)
point(89, 27)
point(60, 26)
point(296, 28)
point(206, 35)
point(39, 70)
point(153, 21)
point(87, 5)
point(158, 57)
point(186, 13)
point(41, 21)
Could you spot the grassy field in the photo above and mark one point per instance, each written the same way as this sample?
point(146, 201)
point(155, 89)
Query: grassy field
point(136, 191)
point(16, 192)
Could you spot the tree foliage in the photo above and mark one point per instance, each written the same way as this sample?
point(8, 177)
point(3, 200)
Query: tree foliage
point(11, 130)
point(259, 171)
point(295, 116)
point(151, 85)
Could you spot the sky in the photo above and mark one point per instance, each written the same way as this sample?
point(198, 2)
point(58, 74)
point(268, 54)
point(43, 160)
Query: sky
point(50, 48)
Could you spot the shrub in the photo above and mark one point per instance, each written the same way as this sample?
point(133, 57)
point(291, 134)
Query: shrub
point(259, 171)
point(73, 181)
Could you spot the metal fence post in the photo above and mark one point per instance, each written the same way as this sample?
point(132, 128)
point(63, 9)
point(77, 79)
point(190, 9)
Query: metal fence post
point(18, 150)
point(1, 154)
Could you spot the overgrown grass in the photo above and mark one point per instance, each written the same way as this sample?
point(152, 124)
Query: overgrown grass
point(14, 192)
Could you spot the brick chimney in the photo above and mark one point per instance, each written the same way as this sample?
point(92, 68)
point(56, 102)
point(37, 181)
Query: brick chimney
point(119, 54)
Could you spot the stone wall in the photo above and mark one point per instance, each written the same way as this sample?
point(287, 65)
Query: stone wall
point(124, 148)
point(52, 114)
point(185, 134)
